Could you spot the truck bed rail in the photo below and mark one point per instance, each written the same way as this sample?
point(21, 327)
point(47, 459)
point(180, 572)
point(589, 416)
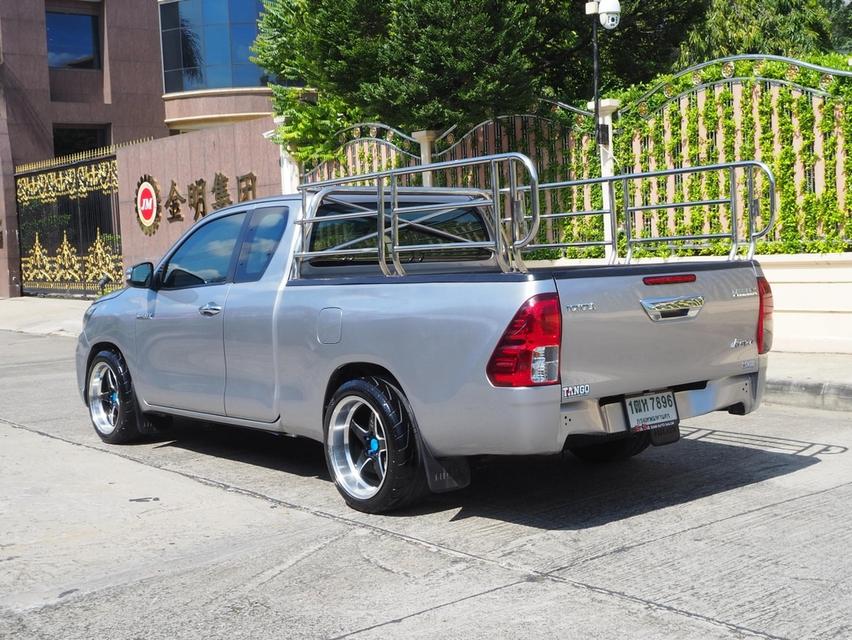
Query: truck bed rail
point(512, 211)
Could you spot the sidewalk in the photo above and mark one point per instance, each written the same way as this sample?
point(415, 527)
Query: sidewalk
point(45, 316)
point(813, 380)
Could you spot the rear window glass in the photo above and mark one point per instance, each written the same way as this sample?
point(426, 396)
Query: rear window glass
point(434, 228)
point(261, 240)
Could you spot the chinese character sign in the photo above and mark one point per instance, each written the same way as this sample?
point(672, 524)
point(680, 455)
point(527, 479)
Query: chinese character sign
point(196, 192)
point(195, 201)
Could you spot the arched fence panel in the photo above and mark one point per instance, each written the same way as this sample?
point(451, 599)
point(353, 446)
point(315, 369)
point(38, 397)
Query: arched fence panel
point(367, 148)
point(791, 115)
point(558, 153)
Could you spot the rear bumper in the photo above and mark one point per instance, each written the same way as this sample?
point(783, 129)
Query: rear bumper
point(742, 392)
point(528, 425)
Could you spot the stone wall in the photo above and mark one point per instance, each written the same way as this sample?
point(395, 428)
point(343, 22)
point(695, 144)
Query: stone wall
point(232, 151)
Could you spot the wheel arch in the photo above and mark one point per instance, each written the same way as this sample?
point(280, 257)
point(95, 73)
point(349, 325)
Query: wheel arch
point(447, 474)
point(353, 371)
point(94, 350)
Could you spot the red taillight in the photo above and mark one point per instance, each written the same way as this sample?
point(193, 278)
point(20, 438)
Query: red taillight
point(684, 277)
point(528, 353)
point(764, 315)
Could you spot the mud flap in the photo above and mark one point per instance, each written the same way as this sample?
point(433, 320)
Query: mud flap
point(445, 474)
point(665, 435)
point(442, 474)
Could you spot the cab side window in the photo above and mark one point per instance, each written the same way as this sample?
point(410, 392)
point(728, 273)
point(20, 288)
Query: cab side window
point(205, 257)
point(260, 242)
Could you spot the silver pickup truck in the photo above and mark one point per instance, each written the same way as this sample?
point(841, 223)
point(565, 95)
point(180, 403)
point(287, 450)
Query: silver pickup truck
point(405, 357)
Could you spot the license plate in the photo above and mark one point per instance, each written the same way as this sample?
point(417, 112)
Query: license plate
point(651, 411)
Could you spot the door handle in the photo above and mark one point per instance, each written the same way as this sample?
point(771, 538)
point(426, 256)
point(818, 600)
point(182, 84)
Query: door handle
point(661, 309)
point(210, 309)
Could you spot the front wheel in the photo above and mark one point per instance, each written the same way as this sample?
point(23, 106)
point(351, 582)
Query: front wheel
point(613, 450)
point(370, 446)
point(109, 393)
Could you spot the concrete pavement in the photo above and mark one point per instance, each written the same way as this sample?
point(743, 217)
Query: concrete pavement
point(43, 316)
point(815, 380)
point(737, 531)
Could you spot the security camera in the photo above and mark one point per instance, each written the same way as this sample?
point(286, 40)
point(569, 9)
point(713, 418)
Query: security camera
point(610, 12)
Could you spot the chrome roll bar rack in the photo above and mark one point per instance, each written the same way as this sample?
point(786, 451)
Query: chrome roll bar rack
point(513, 212)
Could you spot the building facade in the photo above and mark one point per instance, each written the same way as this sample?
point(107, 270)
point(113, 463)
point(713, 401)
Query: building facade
point(208, 77)
point(81, 74)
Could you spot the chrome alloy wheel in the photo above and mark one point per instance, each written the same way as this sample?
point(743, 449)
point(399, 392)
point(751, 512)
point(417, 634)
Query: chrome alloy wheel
point(104, 401)
point(357, 447)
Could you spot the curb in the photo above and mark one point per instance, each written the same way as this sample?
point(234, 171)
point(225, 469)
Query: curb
point(831, 396)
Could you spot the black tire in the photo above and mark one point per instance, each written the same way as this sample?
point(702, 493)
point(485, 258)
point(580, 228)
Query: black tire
point(125, 426)
point(613, 450)
point(404, 477)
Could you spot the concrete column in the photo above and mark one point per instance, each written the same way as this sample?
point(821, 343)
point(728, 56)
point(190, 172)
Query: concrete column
point(607, 109)
point(291, 171)
point(425, 139)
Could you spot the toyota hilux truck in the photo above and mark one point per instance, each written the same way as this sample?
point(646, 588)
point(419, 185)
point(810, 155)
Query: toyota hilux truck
point(404, 328)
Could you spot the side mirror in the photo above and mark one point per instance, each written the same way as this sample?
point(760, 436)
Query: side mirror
point(140, 275)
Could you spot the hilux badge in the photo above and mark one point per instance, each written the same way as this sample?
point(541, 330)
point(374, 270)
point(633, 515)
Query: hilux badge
point(744, 293)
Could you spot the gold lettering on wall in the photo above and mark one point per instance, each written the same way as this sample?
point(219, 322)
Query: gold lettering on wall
point(196, 196)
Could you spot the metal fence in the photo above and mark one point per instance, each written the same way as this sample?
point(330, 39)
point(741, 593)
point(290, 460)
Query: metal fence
point(791, 115)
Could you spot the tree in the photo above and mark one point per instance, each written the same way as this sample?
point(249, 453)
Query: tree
point(841, 24)
point(644, 45)
point(423, 64)
point(781, 27)
point(416, 64)
point(453, 62)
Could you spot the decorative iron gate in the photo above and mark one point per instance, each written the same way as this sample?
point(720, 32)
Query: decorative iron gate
point(68, 224)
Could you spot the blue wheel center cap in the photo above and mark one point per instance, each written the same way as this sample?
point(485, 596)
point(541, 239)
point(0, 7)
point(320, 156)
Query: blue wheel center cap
point(114, 398)
point(374, 445)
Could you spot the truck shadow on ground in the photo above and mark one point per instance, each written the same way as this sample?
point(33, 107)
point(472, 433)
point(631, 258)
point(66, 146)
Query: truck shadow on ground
point(554, 492)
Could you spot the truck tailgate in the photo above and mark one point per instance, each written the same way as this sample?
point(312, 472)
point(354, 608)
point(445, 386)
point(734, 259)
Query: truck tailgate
point(621, 335)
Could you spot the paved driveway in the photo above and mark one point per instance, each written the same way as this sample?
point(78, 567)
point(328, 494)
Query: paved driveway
point(740, 530)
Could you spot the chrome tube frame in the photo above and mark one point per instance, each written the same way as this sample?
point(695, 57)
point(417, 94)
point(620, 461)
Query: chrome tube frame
point(315, 194)
point(515, 231)
point(749, 166)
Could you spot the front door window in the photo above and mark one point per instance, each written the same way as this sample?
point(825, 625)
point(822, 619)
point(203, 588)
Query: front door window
point(206, 257)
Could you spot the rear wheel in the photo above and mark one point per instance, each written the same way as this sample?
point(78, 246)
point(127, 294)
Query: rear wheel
point(613, 450)
point(371, 448)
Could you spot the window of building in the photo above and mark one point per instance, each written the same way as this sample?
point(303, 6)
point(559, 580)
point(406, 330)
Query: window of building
point(74, 139)
point(207, 44)
point(73, 41)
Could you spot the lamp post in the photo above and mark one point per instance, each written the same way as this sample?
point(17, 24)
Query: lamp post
point(608, 13)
